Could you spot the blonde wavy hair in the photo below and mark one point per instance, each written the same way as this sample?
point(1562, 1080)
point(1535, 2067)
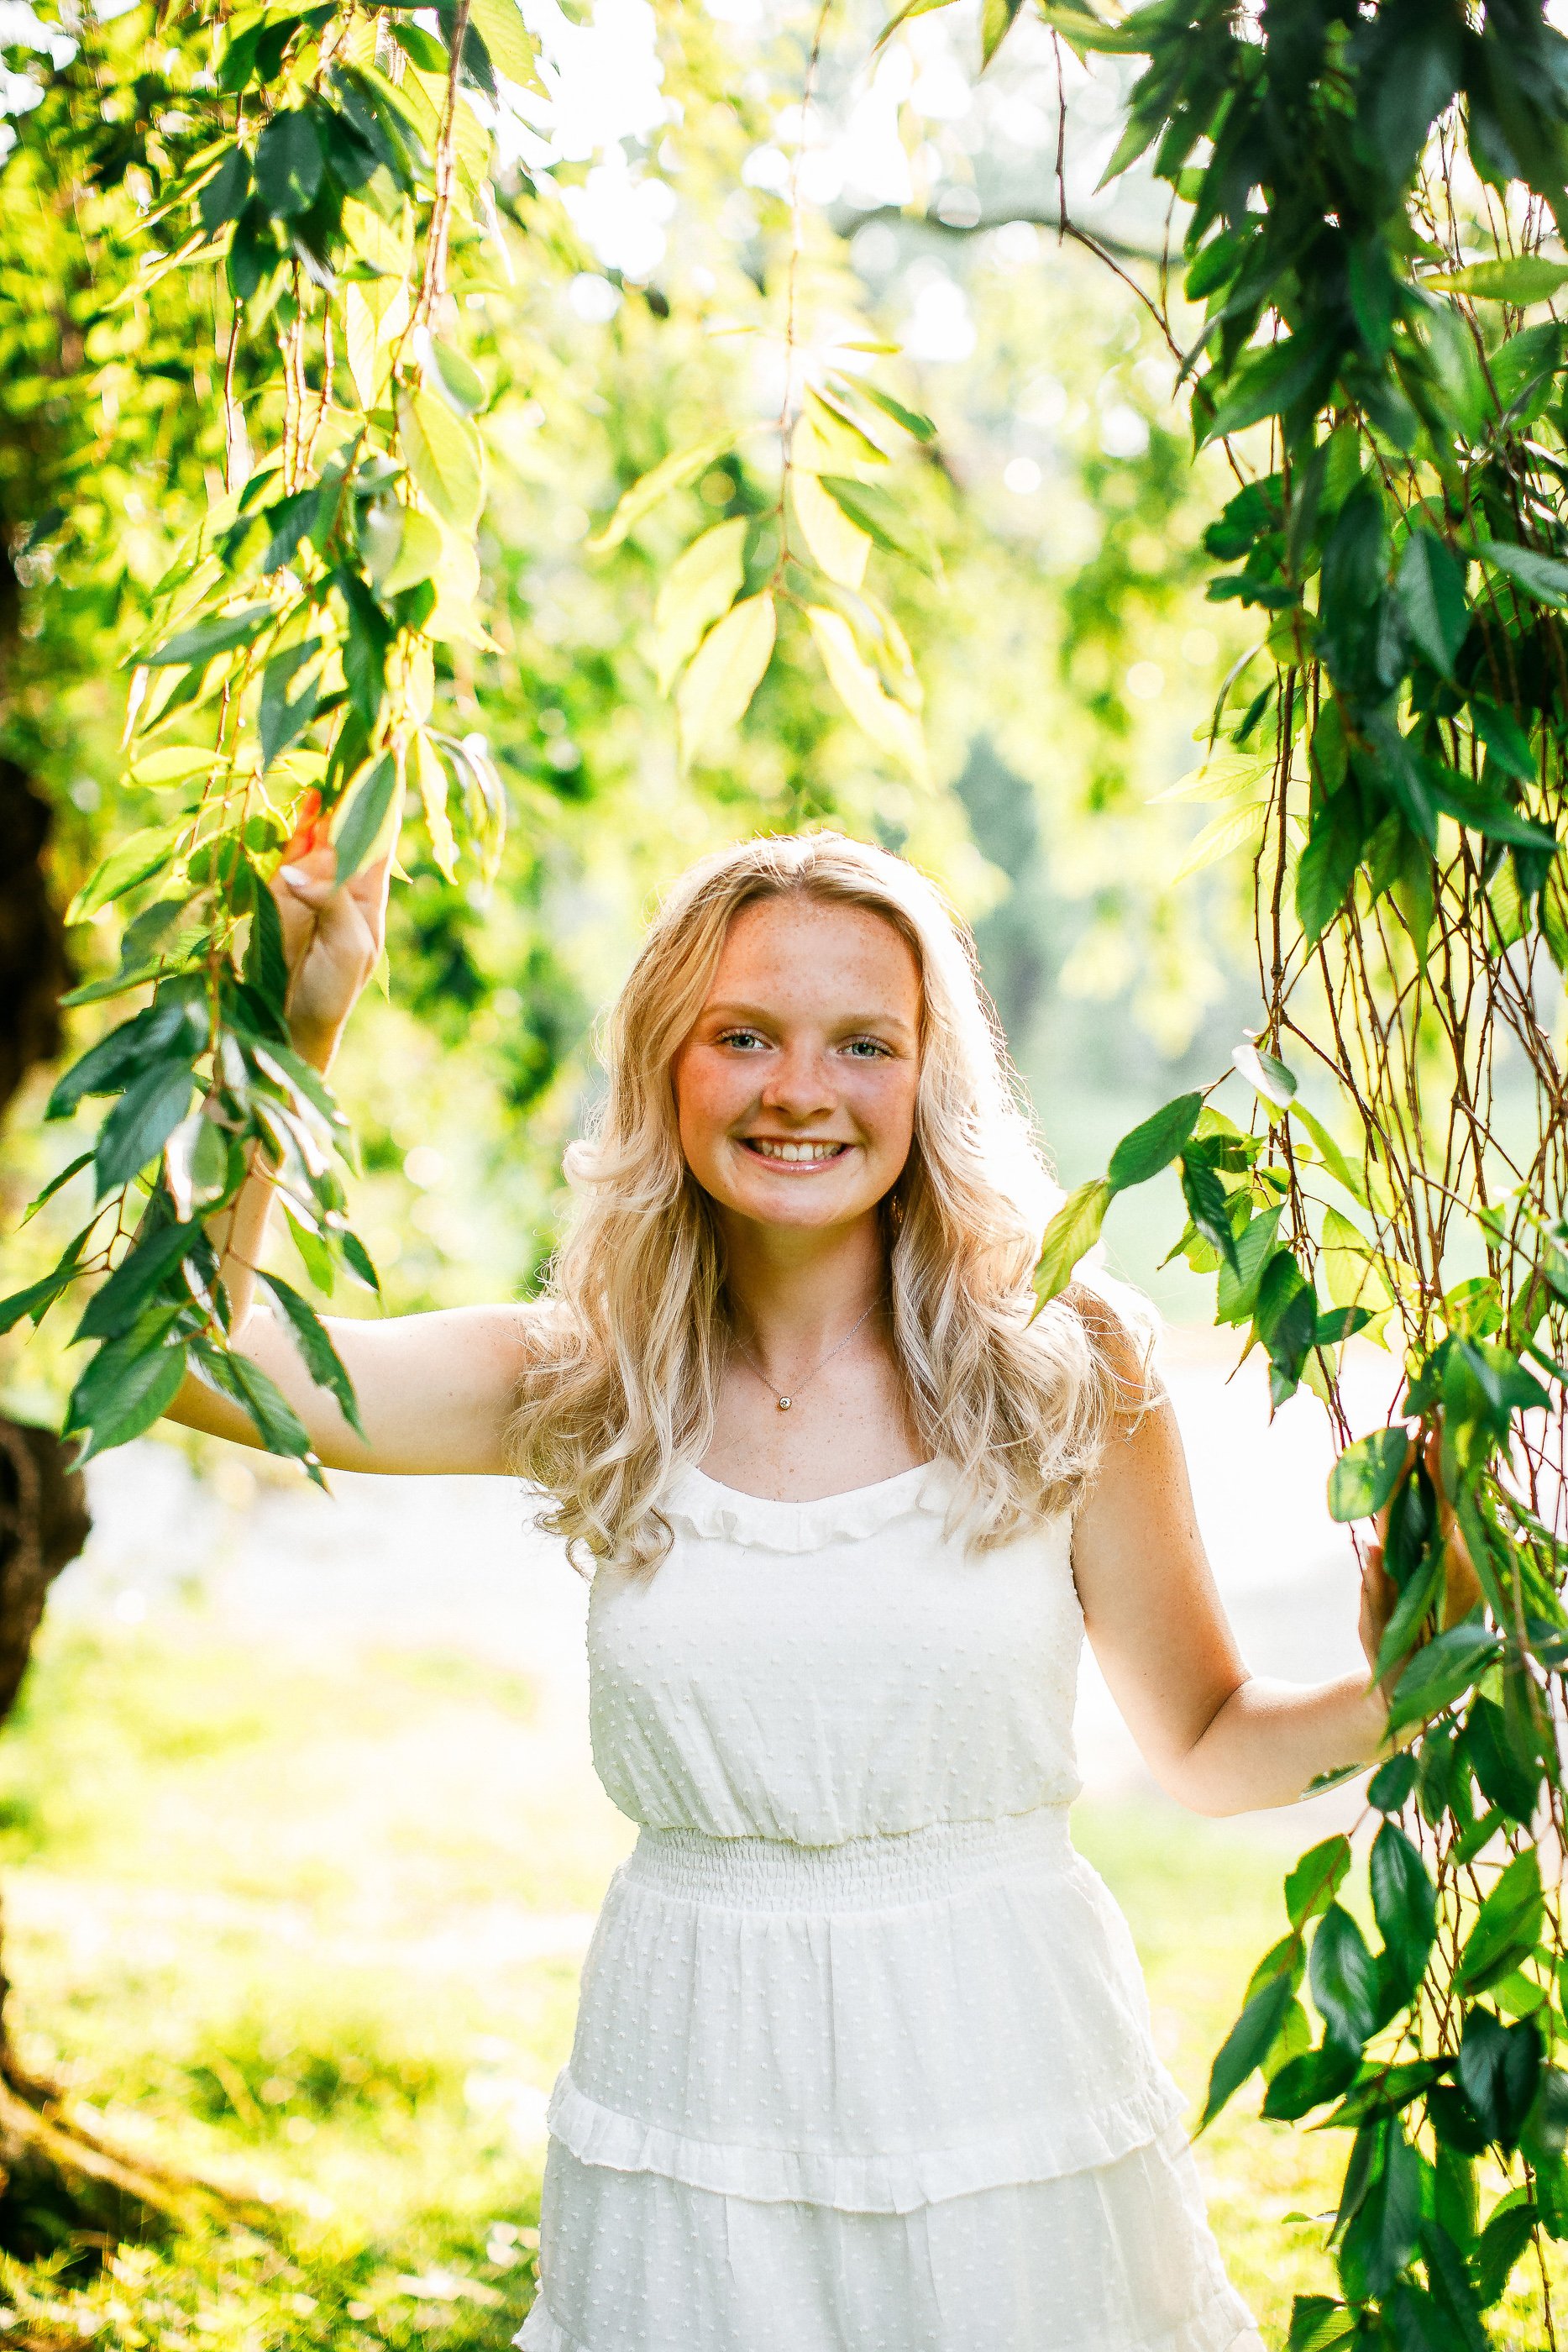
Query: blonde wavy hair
point(627, 1350)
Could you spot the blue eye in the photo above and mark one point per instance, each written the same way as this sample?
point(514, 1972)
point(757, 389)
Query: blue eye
point(872, 1046)
point(741, 1037)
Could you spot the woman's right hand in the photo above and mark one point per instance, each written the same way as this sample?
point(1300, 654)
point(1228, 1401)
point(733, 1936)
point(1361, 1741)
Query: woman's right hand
point(331, 935)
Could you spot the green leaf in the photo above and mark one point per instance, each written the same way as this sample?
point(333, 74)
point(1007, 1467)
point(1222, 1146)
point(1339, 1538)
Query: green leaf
point(224, 197)
point(1247, 2045)
point(365, 811)
point(1486, 811)
point(912, 422)
point(1405, 1903)
point(36, 1296)
point(357, 1258)
point(1083, 30)
point(128, 1384)
point(1235, 1298)
point(1431, 589)
point(879, 516)
point(1343, 1978)
point(463, 386)
point(1310, 2081)
point(281, 721)
point(1502, 2243)
point(265, 963)
point(321, 1359)
point(1540, 576)
point(1319, 2323)
point(288, 165)
point(135, 861)
point(726, 672)
point(1367, 1472)
point(1450, 2281)
point(277, 1423)
point(1073, 1231)
point(1317, 1879)
point(1506, 740)
point(1154, 1144)
point(1385, 2227)
point(1508, 1780)
point(1441, 1673)
point(995, 23)
point(444, 458)
point(115, 1306)
point(176, 1016)
point(674, 473)
point(1205, 1200)
point(1389, 1787)
point(1328, 864)
point(901, 16)
point(1524, 279)
point(57, 1183)
point(1266, 382)
point(289, 518)
point(1500, 2072)
point(1341, 1168)
point(700, 588)
point(1286, 1321)
point(1265, 1074)
point(315, 1256)
point(197, 1163)
point(1507, 1927)
point(500, 25)
point(210, 637)
point(141, 1122)
point(365, 653)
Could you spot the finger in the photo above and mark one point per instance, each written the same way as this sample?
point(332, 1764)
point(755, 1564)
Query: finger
point(309, 889)
point(309, 825)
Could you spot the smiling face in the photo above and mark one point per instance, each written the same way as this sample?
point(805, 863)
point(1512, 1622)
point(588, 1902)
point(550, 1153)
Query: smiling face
point(795, 1088)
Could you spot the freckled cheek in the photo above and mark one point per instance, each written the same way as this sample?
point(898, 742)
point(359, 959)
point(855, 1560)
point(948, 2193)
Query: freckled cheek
point(709, 1098)
point(884, 1111)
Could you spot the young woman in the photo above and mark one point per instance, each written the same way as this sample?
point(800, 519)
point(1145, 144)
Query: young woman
point(863, 2059)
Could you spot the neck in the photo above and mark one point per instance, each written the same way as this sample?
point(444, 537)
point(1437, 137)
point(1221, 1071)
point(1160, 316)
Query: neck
point(794, 1294)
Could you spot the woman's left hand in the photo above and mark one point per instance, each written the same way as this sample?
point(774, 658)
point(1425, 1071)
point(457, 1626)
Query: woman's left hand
point(1380, 1594)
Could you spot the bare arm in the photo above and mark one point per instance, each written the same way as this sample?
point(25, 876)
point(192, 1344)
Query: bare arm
point(433, 1391)
point(1218, 1738)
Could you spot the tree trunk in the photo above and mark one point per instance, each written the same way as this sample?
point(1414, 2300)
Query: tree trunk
point(60, 2184)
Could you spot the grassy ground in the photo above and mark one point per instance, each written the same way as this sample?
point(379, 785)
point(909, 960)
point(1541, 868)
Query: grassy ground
point(310, 1917)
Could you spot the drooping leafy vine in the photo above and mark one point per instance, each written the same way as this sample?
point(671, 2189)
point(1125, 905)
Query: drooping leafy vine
point(1374, 206)
point(316, 193)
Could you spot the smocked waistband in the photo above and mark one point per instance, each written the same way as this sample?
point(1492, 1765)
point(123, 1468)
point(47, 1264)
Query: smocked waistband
point(861, 1872)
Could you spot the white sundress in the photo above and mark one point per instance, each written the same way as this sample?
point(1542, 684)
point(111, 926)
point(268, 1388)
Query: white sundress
point(862, 2060)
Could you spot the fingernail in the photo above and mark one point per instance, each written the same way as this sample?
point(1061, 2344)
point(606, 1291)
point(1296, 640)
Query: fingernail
point(295, 876)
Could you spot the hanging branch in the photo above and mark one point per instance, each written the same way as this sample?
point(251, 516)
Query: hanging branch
point(1372, 196)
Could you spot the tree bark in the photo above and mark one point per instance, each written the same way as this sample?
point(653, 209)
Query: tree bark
point(60, 2183)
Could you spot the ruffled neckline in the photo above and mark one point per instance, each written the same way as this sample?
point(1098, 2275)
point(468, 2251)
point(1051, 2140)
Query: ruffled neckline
point(703, 1507)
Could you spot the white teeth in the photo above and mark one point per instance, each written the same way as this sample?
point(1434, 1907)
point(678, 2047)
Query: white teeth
point(795, 1151)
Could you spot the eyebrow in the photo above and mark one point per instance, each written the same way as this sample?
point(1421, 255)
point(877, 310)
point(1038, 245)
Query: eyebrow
point(760, 1014)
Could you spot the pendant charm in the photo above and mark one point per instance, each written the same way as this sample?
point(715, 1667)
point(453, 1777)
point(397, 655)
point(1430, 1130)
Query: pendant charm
point(785, 1403)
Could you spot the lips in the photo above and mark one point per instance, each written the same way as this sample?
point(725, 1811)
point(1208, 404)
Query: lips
point(781, 1154)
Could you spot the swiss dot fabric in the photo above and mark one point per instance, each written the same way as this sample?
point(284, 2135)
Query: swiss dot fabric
point(862, 2061)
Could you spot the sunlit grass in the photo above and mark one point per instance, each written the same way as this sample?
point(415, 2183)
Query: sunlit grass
point(308, 1917)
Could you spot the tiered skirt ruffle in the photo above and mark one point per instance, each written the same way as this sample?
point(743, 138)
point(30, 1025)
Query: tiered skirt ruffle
point(898, 2093)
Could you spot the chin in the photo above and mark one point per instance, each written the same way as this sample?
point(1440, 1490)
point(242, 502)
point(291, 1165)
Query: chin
point(781, 1204)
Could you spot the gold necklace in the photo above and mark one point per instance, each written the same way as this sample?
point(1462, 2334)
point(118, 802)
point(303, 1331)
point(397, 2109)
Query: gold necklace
point(786, 1402)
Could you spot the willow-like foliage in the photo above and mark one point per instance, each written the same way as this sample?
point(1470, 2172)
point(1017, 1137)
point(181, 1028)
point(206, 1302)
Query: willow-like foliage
point(1371, 206)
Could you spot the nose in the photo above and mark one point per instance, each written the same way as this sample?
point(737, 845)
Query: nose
point(799, 1085)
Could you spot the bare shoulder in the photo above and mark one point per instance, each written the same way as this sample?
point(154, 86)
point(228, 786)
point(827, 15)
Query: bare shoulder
point(1123, 1340)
